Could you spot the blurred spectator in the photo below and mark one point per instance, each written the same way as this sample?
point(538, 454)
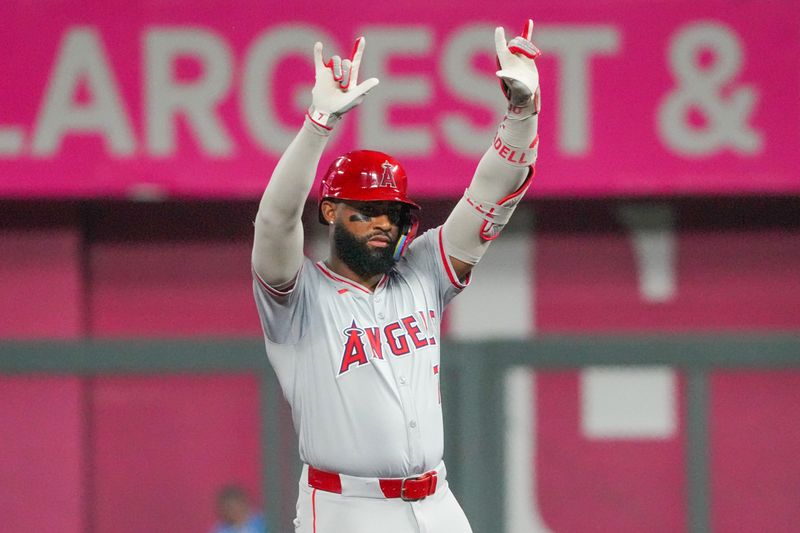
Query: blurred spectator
point(235, 513)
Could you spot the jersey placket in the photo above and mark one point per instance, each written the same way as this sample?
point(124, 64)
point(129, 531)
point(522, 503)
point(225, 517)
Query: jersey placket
point(402, 370)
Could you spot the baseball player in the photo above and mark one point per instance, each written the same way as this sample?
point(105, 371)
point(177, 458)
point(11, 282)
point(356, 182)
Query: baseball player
point(354, 339)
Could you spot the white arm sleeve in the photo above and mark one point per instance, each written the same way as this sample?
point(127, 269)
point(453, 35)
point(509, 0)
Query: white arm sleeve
point(278, 242)
point(501, 179)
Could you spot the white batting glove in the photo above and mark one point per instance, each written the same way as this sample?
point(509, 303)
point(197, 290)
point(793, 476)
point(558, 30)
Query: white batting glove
point(336, 90)
point(518, 75)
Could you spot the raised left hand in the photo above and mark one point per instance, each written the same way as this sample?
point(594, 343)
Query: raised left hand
point(519, 77)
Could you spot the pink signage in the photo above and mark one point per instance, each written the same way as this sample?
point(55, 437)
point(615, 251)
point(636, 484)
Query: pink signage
point(112, 98)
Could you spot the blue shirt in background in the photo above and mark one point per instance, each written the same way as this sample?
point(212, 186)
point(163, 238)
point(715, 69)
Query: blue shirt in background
point(255, 524)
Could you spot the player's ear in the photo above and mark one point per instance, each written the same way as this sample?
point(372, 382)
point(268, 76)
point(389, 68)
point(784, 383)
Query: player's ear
point(328, 210)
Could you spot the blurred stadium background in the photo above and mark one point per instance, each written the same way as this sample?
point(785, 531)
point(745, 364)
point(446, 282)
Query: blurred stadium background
point(626, 360)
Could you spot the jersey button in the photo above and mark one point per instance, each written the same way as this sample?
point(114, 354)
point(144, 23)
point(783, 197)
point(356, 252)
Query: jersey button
point(380, 316)
point(377, 300)
point(403, 380)
point(413, 423)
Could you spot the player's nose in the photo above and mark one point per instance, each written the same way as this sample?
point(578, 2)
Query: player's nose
point(382, 221)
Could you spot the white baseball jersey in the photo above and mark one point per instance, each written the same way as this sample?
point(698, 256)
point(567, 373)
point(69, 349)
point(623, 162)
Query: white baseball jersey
point(360, 369)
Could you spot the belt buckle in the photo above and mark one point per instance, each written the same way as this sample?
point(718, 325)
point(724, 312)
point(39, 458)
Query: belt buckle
point(430, 477)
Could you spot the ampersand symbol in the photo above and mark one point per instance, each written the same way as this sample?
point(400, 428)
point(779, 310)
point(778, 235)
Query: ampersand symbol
point(700, 88)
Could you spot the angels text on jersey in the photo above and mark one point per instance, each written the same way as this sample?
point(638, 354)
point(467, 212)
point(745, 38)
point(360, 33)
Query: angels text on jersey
point(363, 344)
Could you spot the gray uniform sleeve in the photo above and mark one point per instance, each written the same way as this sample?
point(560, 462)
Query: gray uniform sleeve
point(425, 256)
point(284, 314)
point(278, 239)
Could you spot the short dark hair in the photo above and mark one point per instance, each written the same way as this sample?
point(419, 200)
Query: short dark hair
point(231, 492)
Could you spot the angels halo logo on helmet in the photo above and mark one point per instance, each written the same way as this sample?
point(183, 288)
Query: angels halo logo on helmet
point(370, 176)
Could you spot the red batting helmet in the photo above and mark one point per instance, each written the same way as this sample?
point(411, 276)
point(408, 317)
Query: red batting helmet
point(365, 176)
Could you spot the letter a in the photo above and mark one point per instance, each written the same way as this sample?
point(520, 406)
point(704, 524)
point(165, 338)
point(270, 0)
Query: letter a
point(387, 179)
point(354, 352)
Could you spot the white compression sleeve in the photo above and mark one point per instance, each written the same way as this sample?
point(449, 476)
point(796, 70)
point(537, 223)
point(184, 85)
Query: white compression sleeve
point(500, 181)
point(278, 241)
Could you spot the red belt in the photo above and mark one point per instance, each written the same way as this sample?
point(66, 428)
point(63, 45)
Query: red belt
point(409, 488)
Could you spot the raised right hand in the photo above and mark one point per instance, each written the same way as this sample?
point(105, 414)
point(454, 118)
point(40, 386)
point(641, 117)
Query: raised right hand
point(336, 89)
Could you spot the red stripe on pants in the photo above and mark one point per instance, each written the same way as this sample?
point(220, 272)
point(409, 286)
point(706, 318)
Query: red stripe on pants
point(314, 509)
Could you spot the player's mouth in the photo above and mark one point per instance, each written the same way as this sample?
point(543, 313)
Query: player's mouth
point(380, 241)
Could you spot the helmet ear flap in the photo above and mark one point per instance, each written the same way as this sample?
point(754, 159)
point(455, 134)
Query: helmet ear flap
point(408, 232)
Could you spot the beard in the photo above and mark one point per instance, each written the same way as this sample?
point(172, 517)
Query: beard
point(359, 256)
